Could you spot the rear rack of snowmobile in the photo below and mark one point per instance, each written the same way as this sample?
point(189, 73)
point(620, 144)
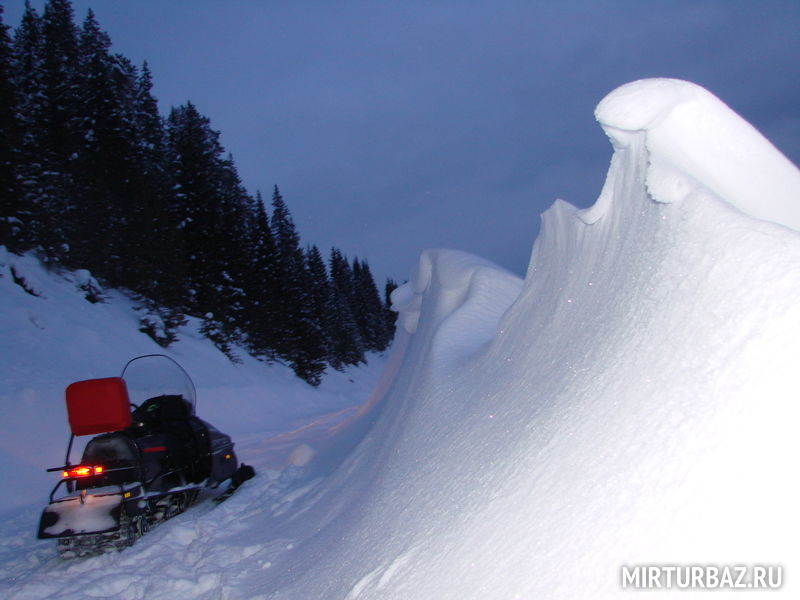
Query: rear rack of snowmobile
point(69, 481)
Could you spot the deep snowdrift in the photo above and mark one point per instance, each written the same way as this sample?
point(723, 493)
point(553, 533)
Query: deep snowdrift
point(637, 404)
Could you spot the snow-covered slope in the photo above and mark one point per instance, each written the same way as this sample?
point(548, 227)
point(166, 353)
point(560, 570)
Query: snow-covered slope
point(51, 336)
point(633, 401)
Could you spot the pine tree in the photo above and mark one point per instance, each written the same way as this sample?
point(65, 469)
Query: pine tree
point(368, 309)
point(28, 78)
point(12, 212)
point(348, 344)
point(103, 186)
point(61, 87)
point(195, 150)
point(195, 159)
point(151, 126)
point(322, 304)
point(213, 210)
point(299, 336)
point(235, 219)
point(261, 287)
point(28, 51)
point(59, 146)
point(153, 249)
point(156, 213)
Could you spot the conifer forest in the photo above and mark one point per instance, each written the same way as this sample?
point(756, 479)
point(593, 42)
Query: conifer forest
point(93, 176)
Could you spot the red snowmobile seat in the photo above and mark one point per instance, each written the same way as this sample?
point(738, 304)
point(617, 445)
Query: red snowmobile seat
point(98, 406)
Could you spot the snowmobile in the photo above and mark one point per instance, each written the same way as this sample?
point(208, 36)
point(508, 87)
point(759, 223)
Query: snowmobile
point(149, 460)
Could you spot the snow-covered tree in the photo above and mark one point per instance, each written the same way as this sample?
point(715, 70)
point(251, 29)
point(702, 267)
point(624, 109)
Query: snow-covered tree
point(58, 114)
point(261, 289)
point(299, 338)
point(207, 222)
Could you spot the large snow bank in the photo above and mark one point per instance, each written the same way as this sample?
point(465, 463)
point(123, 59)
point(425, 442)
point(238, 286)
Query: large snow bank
point(637, 402)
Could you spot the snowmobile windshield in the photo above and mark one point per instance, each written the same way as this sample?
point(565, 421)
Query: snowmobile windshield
point(157, 375)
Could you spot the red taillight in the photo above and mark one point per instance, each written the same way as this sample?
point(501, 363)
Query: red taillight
point(82, 471)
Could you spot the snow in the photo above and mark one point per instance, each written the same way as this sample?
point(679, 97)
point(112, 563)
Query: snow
point(85, 515)
point(632, 401)
point(58, 337)
point(693, 139)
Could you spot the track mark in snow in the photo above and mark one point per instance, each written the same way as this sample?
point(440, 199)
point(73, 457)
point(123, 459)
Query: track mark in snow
point(362, 584)
point(383, 574)
point(397, 564)
point(286, 502)
point(120, 587)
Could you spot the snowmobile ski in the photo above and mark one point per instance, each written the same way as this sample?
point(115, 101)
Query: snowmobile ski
point(243, 473)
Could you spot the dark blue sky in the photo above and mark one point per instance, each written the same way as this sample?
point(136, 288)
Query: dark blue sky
point(395, 126)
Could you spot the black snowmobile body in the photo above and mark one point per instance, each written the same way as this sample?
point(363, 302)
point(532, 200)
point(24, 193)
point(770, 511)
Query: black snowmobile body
point(149, 462)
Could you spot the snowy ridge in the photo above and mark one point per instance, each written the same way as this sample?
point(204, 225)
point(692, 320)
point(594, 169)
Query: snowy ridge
point(636, 404)
point(694, 140)
point(456, 292)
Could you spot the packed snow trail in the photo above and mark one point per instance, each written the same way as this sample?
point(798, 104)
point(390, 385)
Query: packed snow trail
point(211, 550)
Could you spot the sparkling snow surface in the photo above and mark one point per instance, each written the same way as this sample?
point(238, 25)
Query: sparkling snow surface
point(633, 401)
